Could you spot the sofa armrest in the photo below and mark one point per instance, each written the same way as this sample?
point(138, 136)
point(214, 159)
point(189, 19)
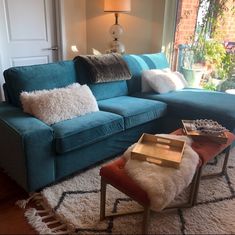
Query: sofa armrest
point(26, 146)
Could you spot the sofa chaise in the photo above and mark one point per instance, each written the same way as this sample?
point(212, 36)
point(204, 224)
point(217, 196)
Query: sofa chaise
point(35, 154)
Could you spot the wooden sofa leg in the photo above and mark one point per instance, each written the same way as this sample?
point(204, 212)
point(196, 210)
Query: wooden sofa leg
point(102, 199)
point(145, 220)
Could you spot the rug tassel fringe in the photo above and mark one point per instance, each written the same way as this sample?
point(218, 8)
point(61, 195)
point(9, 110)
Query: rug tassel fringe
point(59, 227)
point(34, 218)
point(36, 221)
point(23, 203)
point(53, 222)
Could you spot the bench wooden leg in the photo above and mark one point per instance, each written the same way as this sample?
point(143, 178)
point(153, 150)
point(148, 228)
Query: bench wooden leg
point(200, 177)
point(224, 167)
point(102, 199)
point(145, 220)
point(102, 208)
point(227, 154)
point(194, 188)
point(197, 185)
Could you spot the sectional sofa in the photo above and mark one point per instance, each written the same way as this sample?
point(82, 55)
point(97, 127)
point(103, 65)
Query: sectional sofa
point(35, 154)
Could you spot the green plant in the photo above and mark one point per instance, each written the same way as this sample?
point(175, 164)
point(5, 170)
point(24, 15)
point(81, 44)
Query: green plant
point(206, 48)
point(228, 65)
point(214, 53)
point(217, 59)
point(208, 53)
point(210, 86)
point(212, 13)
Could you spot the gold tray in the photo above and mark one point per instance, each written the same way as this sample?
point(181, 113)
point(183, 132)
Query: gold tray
point(159, 150)
point(190, 130)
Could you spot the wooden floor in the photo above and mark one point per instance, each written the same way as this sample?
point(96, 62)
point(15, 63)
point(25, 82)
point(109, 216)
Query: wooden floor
point(12, 219)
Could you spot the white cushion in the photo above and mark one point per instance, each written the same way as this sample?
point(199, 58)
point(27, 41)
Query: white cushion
point(162, 81)
point(51, 106)
point(145, 87)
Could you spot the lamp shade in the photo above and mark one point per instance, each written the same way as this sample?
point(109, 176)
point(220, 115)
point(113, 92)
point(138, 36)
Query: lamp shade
point(117, 5)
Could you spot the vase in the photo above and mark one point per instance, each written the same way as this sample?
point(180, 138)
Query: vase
point(193, 76)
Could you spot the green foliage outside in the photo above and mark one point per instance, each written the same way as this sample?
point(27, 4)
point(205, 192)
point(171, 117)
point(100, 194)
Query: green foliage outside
point(210, 86)
point(206, 48)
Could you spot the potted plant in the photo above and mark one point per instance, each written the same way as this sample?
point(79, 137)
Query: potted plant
point(208, 62)
point(193, 63)
point(205, 60)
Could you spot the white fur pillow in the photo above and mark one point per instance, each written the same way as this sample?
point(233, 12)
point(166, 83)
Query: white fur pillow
point(51, 106)
point(162, 81)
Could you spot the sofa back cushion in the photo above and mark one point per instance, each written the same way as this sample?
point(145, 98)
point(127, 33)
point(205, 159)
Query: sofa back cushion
point(138, 63)
point(100, 90)
point(38, 77)
point(109, 90)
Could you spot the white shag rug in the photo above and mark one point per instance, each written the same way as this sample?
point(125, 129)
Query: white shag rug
point(73, 206)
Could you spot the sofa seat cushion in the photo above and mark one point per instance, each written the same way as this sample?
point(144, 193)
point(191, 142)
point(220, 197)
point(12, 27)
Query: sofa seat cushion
point(135, 111)
point(84, 130)
point(198, 103)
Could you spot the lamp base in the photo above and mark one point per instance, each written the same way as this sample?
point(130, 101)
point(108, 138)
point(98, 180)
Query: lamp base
point(116, 32)
point(117, 47)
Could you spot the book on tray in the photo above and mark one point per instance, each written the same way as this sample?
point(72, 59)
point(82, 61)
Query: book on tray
point(205, 128)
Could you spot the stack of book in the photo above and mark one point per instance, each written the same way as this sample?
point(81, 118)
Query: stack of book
point(206, 129)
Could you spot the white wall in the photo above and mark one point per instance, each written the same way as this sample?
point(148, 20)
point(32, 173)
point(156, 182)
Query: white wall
point(169, 29)
point(143, 26)
point(158, 11)
point(73, 14)
point(86, 25)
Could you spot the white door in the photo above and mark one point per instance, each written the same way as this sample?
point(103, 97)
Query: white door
point(27, 33)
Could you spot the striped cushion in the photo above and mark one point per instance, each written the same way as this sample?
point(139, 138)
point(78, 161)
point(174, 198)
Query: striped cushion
point(139, 63)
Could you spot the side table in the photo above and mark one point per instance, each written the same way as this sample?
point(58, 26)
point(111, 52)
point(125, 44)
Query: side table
point(207, 150)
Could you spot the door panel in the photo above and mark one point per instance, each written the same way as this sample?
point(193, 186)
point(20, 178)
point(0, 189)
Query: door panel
point(28, 32)
point(18, 15)
point(30, 60)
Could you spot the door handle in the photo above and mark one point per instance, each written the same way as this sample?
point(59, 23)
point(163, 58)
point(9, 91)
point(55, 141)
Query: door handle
point(53, 48)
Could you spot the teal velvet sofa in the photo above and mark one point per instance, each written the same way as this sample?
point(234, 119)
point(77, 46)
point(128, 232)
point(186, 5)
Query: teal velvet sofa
point(189, 103)
point(35, 154)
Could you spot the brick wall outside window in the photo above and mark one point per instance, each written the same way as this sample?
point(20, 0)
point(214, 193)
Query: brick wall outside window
point(186, 24)
point(186, 20)
point(187, 17)
point(227, 28)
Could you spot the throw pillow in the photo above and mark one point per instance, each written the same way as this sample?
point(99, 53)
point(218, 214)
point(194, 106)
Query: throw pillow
point(163, 81)
point(51, 106)
point(145, 87)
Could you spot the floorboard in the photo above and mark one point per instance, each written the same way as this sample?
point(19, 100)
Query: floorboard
point(12, 220)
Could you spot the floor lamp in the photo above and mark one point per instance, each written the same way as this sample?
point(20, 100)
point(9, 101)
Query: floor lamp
point(116, 30)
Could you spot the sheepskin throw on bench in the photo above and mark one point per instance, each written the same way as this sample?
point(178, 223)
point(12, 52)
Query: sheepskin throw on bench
point(163, 184)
